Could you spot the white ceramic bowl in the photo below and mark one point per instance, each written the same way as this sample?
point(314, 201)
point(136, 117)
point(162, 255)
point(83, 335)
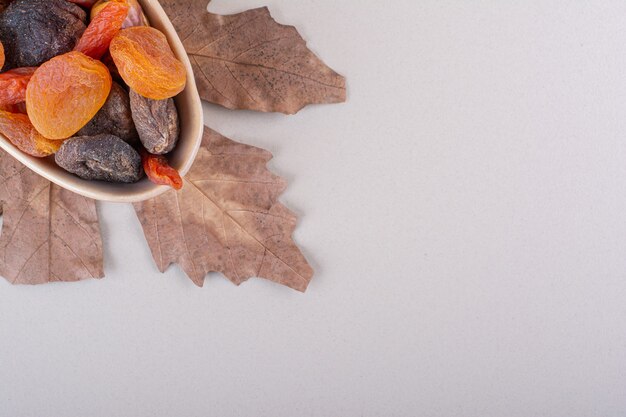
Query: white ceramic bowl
point(191, 125)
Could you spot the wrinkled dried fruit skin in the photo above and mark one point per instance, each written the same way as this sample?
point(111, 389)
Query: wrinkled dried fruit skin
point(65, 93)
point(18, 129)
point(108, 61)
point(159, 171)
point(14, 108)
point(113, 118)
point(3, 5)
point(85, 3)
point(101, 30)
point(136, 16)
point(102, 157)
point(156, 121)
point(13, 85)
point(147, 64)
point(34, 31)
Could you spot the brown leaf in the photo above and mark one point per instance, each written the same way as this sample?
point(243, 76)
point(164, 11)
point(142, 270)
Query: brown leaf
point(248, 61)
point(226, 218)
point(48, 233)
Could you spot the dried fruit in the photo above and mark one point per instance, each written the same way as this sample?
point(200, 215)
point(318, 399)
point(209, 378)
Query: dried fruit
point(136, 16)
point(13, 85)
point(108, 61)
point(98, 6)
point(34, 31)
point(159, 171)
point(101, 157)
point(85, 3)
point(14, 108)
point(101, 30)
point(147, 64)
point(3, 5)
point(114, 117)
point(65, 93)
point(1, 54)
point(21, 133)
point(156, 121)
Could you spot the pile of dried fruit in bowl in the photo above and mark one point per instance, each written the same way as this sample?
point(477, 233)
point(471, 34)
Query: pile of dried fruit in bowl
point(92, 84)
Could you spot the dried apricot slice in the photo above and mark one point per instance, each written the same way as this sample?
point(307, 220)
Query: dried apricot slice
point(1, 56)
point(147, 64)
point(136, 16)
point(65, 93)
point(13, 85)
point(159, 171)
point(98, 35)
point(20, 132)
point(14, 108)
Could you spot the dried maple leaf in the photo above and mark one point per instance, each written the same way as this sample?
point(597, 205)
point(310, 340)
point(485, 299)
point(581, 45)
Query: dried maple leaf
point(226, 218)
point(48, 233)
point(248, 61)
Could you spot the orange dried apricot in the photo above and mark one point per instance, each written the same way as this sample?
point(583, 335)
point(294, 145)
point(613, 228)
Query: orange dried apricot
point(13, 85)
point(98, 35)
point(20, 132)
point(147, 64)
point(14, 108)
point(136, 16)
point(65, 93)
point(1, 55)
point(159, 171)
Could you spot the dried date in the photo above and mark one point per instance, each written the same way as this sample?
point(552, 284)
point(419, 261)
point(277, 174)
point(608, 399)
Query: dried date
point(156, 121)
point(114, 117)
point(34, 31)
point(102, 157)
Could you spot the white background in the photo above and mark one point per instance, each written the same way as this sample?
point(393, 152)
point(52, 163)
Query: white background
point(465, 212)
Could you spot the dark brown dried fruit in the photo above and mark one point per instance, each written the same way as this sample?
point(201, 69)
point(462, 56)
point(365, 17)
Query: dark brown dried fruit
point(102, 157)
point(114, 117)
point(4, 4)
point(156, 121)
point(34, 31)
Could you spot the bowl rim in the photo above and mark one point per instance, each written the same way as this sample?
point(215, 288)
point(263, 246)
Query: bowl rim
point(158, 19)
